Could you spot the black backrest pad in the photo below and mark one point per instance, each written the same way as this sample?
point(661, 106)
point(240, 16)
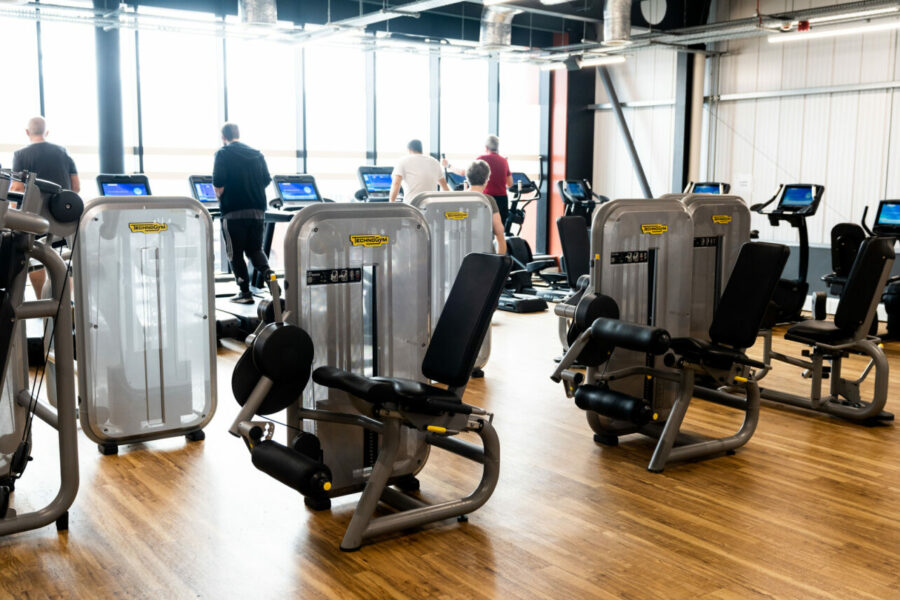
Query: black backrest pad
point(576, 248)
point(846, 239)
point(747, 294)
point(863, 284)
point(518, 248)
point(464, 322)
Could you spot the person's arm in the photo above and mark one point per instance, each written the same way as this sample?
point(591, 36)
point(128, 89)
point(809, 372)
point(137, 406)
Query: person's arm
point(499, 234)
point(75, 182)
point(218, 176)
point(450, 168)
point(509, 181)
point(16, 186)
point(443, 183)
point(395, 187)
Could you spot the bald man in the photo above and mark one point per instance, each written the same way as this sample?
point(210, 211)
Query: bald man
point(49, 162)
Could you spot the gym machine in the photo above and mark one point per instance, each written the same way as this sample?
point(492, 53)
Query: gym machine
point(376, 184)
point(579, 199)
point(460, 223)
point(358, 284)
point(834, 341)
point(44, 210)
point(144, 306)
point(123, 185)
point(718, 370)
point(794, 204)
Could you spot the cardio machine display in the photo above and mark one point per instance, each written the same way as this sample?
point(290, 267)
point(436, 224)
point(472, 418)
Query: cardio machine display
point(202, 188)
point(376, 182)
point(887, 221)
point(297, 188)
point(123, 185)
point(707, 187)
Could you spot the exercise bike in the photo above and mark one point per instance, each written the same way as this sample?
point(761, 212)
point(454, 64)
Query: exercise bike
point(579, 199)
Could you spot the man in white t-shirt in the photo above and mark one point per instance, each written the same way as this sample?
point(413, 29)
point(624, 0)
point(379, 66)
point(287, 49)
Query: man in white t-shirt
point(417, 173)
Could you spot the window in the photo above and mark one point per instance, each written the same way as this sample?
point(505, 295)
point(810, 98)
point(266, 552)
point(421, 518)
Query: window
point(336, 118)
point(263, 102)
point(520, 117)
point(20, 100)
point(180, 93)
point(401, 103)
point(464, 108)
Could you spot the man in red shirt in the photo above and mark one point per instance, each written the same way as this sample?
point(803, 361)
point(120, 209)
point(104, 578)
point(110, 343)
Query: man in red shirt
point(501, 177)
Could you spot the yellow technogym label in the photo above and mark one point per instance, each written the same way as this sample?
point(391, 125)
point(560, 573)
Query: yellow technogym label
point(369, 240)
point(147, 227)
point(654, 228)
point(456, 216)
point(721, 219)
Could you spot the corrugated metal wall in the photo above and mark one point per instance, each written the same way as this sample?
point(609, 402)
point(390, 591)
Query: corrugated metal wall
point(647, 76)
point(849, 140)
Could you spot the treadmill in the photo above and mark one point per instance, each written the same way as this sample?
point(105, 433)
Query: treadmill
point(376, 183)
point(123, 185)
point(707, 187)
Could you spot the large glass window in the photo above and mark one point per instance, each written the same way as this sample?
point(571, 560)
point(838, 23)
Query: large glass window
point(70, 93)
point(401, 103)
point(20, 99)
point(464, 108)
point(335, 118)
point(264, 102)
point(179, 100)
point(520, 117)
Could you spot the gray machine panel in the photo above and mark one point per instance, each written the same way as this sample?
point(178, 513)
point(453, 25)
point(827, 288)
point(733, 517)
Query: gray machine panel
point(13, 416)
point(358, 281)
point(721, 227)
point(641, 253)
point(460, 223)
point(144, 294)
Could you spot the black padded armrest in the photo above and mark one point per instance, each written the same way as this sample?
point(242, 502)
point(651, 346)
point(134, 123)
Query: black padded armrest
point(357, 385)
point(630, 336)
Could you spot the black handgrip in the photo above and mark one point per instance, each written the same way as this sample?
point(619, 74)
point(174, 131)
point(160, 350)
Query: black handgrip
point(307, 476)
point(613, 405)
point(630, 336)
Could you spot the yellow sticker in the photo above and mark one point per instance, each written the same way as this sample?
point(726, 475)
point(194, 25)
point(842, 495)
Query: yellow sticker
point(369, 240)
point(722, 219)
point(456, 216)
point(654, 228)
point(147, 227)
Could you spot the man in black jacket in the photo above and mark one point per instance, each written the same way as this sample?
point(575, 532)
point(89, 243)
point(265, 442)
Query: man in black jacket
point(240, 177)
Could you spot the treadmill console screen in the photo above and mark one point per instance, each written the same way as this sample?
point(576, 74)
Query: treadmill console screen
point(204, 192)
point(800, 198)
point(109, 188)
point(517, 177)
point(455, 180)
point(294, 191)
point(377, 182)
point(576, 190)
point(888, 214)
point(702, 188)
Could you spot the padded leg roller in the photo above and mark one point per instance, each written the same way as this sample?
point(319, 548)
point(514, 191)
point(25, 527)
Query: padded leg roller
point(307, 476)
point(614, 405)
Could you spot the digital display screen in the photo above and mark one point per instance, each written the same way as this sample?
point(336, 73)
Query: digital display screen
point(455, 179)
point(205, 192)
point(517, 177)
point(889, 214)
point(575, 189)
point(123, 189)
point(297, 191)
point(797, 197)
point(707, 189)
point(377, 182)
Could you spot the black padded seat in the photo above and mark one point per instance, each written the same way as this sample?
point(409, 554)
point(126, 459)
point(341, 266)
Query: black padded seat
point(818, 332)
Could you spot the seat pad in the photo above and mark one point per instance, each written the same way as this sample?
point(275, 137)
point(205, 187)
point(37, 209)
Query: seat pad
point(814, 331)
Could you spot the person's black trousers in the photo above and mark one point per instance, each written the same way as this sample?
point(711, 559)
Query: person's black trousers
point(503, 206)
point(244, 236)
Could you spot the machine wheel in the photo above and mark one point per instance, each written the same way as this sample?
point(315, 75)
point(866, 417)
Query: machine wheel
point(108, 448)
point(196, 436)
point(607, 439)
point(408, 483)
point(477, 373)
point(62, 523)
point(4, 501)
point(317, 504)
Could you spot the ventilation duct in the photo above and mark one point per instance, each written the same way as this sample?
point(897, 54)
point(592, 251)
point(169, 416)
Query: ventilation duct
point(496, 26)
point(258, 11)
point(617, 23)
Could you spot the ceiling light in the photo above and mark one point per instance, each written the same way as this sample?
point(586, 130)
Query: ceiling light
point(855, 15)
point(493, 2)
point(553, 2)
point(780, 38)
point(598, 61)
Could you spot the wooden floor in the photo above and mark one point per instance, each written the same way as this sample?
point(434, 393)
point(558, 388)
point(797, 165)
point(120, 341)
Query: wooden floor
point(810, 508)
